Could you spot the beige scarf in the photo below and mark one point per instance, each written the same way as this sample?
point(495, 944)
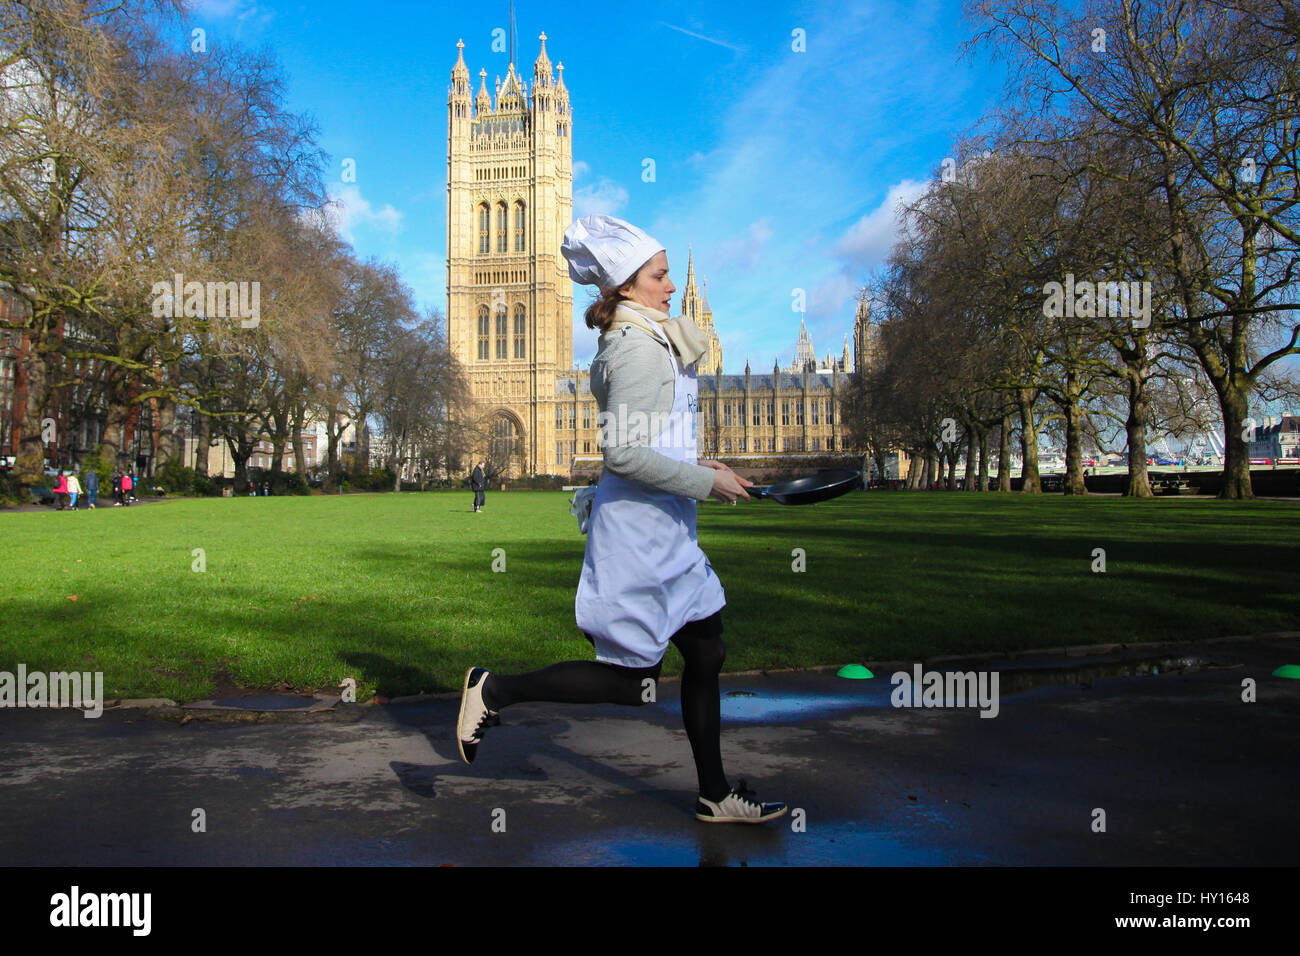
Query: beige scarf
point(691, 343)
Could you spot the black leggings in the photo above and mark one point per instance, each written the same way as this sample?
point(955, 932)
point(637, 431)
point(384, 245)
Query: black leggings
point(597, 682)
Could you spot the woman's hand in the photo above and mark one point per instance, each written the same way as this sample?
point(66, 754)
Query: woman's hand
point(710, 463)
point(727, 485)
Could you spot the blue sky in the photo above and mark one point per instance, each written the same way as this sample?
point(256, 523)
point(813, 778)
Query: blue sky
point(781, 168)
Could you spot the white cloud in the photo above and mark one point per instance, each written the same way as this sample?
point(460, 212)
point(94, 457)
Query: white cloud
point(828, 297)
point(348, 210)
point(221, 9)
point(580, 169)
point(744, 252)
point(870, 239)
point(606, 198)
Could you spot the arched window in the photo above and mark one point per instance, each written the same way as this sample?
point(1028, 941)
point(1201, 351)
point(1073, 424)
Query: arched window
point(520, 328)
point(484, 230)
point(519, 227)
point(483, 332)
point(501, 334)
point(505, 442)
point(503, 227)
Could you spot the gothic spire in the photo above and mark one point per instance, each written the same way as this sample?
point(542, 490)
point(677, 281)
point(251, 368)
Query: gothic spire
point(542, 66)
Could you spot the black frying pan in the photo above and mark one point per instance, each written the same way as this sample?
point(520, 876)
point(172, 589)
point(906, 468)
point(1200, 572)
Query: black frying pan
point(813, 488)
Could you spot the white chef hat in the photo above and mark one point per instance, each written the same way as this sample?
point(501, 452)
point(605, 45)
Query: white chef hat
point(606, 252)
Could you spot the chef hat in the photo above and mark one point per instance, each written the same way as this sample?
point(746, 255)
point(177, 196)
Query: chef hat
point(605, 251)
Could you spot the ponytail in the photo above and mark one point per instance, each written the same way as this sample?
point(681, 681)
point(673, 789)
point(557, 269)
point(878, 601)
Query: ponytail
point(601, 311)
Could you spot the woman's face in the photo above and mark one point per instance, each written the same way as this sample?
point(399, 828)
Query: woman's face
point(652, 287)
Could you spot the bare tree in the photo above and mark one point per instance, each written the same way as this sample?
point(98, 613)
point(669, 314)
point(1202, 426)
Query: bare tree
point(1212, 93)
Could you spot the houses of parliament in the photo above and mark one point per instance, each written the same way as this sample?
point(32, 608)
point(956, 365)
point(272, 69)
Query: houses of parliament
point(510, 298)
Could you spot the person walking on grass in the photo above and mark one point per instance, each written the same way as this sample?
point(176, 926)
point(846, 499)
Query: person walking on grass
point(74, 490)
point(61, 490)
point(92, 488)
point(478, 481)
point(128, 488)
point(645, 582)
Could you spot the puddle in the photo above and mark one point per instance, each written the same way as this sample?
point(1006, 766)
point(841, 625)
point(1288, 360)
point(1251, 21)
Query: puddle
point(264, 702)
point(773, 844)
point(746, 706)
point(1019, 679)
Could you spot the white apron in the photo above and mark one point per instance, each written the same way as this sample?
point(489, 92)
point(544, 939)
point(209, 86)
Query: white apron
point(644, 576)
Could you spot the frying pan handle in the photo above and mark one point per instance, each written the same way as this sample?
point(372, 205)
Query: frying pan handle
point(757, 492)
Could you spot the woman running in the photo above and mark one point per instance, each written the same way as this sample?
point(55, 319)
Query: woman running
point(645, 582)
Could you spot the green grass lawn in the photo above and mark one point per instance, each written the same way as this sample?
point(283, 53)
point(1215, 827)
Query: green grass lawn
point(399, 592)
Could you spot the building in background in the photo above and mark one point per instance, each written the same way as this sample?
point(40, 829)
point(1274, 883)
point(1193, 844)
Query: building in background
point(509, 296)
point(510, 304)
point(1277, 436)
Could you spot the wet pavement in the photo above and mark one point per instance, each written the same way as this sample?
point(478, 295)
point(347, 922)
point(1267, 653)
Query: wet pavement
point(1160, 742)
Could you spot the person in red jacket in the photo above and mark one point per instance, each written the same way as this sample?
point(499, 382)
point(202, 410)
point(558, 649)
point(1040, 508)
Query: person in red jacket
point(128, 488)
point(61, 490)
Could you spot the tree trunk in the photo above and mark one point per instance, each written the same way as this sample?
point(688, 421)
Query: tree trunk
point(1074, 484)
point(882, 460)
point(982, 479)
point(1236, 459)
point(165, 426)
point(972, 450)
point(397, 463)
point(1004, 453)
point(297, 417)
point(202, 444)
point(332, 442)
point(1138, 485)
point(1029, 484)
point(238, 453)
point(115, 431)
point(30, 381)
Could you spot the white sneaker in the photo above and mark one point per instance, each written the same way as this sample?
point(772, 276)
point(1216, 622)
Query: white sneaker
point(475, 718)
point(739, 806)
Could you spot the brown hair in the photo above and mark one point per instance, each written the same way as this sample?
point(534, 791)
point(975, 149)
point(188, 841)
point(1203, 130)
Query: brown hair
point(601, 311)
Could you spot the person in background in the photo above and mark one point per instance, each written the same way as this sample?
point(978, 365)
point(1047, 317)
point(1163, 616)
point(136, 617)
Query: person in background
point(478, 481)
point(61, 490)
point(92, 487)
point(128, 488)
point(74, 490)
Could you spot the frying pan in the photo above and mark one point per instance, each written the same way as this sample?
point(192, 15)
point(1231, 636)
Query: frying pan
point(812, 488)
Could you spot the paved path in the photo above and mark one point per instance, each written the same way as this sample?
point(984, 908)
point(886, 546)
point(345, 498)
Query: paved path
point(1186, 773)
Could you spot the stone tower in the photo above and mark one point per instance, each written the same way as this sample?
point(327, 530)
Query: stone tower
point(804, 357)
point(509, 296)
point(695, 306)
point(865, 337)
